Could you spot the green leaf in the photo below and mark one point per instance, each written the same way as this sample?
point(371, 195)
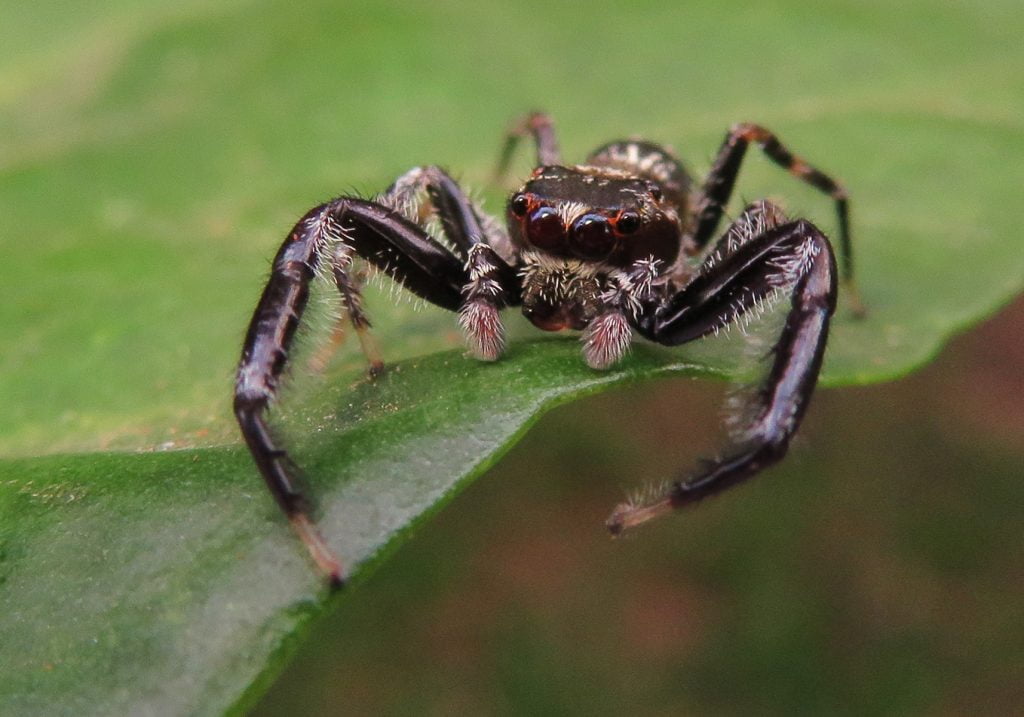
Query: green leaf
point(153, 158)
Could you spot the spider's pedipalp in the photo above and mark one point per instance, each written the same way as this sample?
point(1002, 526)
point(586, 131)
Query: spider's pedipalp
point(485, 296)
point(608, 336)
point(606, 339)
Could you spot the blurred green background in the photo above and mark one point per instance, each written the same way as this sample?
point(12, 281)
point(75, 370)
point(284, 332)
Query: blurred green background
point(152, 156)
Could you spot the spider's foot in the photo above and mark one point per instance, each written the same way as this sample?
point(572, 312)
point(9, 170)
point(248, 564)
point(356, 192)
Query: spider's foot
point(322, 555)
point(630, 515)
point(370, 350)
point(376, 369)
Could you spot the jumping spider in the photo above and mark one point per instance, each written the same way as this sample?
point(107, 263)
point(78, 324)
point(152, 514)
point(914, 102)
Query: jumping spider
point(605, 248)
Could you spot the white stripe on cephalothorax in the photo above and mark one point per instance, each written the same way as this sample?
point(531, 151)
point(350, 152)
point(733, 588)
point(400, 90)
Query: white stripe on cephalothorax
point(569, 212)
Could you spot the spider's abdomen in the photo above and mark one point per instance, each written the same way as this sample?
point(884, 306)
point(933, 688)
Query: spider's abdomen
point(647, 160)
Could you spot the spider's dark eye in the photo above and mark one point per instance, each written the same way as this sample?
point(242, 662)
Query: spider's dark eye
point(591, 237)
point(655, 192)
point(627, 223)
point(519, 205)
point(544, 229)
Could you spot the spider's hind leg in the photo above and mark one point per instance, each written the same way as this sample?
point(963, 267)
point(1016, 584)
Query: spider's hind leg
point(743, 272)
point(721, 178)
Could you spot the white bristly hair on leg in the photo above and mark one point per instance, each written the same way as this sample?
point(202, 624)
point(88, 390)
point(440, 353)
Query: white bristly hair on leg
point(743, 402)
point(479, 316)
point(407, 194)
point(484, 330)
point(606, 340)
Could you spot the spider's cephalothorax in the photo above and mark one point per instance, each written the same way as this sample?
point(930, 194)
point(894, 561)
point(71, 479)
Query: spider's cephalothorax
point(604, 247)
point(578, 229)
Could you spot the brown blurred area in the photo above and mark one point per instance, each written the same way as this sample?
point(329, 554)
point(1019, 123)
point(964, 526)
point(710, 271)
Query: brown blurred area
point(879, 569)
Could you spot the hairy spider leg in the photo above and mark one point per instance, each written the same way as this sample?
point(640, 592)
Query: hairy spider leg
point(463, 223)
point(721, 178)
point(540, 127)
point(479, 240)
point(349, 284)
point(419, 195)
point(755, 219)
point(793, 257)
point(344, 226)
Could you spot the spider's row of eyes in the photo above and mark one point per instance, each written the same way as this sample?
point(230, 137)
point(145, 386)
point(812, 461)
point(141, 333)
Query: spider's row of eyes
point(624, 221)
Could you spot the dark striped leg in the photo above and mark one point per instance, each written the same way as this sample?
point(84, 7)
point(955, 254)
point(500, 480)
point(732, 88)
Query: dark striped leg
point(721, 178)
point(794, 258)
point(539, 125)
point(342, 227)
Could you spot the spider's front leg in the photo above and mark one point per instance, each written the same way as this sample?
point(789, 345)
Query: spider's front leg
point(331, 233)
point(792, 257)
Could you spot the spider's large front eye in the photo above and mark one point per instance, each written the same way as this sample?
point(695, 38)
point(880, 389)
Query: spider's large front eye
point(591, 237)
point(519, 205)
point(544, 229)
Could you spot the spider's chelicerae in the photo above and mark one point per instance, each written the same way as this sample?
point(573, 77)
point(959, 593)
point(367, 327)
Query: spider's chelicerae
point(605, 248)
